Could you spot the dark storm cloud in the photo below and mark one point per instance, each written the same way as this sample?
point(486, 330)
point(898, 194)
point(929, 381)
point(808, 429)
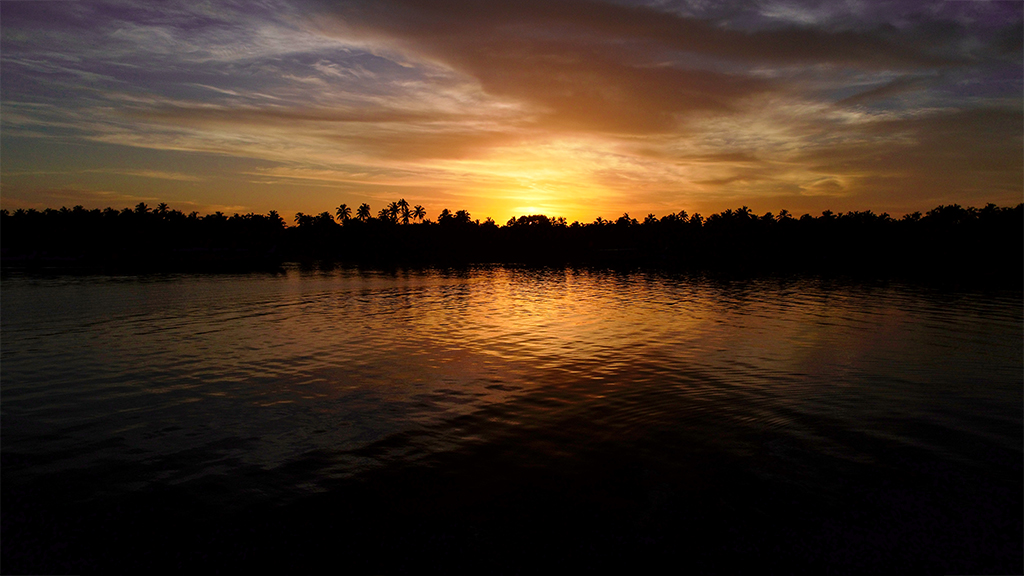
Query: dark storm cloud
point(449, 26)
point(635, 69)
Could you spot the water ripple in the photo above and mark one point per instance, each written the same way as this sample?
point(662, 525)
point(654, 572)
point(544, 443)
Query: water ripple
point(372, 367)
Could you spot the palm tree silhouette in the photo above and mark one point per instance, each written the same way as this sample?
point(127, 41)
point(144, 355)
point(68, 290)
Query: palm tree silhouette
point(403, 206)
point(275, 219)
point(344, 213)
point(419, 213)
point(387, 215)
point(363, 212)
point(393, 210)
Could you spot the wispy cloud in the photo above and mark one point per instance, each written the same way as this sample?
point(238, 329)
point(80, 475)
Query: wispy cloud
point(151, 174)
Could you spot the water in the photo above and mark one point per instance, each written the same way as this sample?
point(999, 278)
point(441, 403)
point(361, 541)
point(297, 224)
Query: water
point(507, 419)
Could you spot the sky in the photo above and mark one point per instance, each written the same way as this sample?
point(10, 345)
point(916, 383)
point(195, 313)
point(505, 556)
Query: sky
point(574, 108)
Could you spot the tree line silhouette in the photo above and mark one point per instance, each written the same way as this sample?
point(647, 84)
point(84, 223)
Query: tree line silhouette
point(946, 239)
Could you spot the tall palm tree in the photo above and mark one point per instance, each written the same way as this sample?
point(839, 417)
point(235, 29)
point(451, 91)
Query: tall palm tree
point(419, 213)
point(403, 206)
point(363, 212)
point(344, 213)
point(393, 210)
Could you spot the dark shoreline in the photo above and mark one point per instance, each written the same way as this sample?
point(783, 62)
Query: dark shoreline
point(949, 242)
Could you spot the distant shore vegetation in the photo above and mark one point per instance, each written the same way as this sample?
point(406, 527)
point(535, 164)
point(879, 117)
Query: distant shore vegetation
point(948, 239)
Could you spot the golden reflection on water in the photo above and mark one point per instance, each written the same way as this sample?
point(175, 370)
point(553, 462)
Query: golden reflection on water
point(265, 368)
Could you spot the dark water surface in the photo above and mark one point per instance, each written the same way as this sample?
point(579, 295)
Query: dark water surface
point(509, 420)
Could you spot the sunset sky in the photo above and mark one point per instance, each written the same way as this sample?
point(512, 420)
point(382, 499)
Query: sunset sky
point(573, 108)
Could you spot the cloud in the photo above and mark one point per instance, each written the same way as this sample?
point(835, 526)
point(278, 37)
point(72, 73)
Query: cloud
point(727, 157)
point(633, 69)
point(941, 143)
point(159, 174)
point(447, 24)
point(887, 90)
point(966, 156)
point(183, 113)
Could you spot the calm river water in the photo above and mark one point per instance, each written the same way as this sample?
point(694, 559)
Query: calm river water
point(509, 419)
